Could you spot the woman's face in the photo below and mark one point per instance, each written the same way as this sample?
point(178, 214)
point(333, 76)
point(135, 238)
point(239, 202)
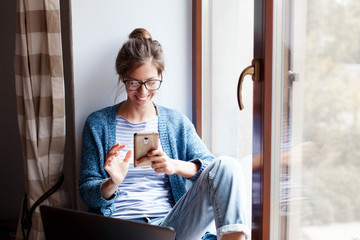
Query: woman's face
point(142, 98)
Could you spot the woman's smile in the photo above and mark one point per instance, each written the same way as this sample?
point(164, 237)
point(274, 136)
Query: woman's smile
point(141, 99)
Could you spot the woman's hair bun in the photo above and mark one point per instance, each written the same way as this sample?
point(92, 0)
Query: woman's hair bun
point(138, 50)
point(140, 33)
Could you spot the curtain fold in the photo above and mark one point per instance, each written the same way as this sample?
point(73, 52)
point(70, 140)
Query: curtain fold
point(40, 94)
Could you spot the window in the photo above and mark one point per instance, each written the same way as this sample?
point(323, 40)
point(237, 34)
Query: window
point(227, 48)
point(316, 79)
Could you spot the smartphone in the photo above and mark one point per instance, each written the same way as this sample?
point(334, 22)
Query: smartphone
point(143, 144)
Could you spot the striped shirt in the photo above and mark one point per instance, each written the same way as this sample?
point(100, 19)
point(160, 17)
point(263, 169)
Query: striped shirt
point(143, 193)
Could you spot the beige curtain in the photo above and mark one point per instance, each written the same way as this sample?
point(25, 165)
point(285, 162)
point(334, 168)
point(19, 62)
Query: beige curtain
point(40, 104)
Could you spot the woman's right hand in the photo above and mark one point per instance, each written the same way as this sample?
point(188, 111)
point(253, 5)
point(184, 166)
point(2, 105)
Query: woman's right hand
point(116, 167)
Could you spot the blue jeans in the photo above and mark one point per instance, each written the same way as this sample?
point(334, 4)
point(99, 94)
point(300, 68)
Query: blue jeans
point(218, 194)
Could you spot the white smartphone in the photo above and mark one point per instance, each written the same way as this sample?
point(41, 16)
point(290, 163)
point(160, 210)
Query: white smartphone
point(143, 144)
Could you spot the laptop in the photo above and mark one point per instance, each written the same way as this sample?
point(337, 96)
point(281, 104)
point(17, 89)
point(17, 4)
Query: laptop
point(63, 223)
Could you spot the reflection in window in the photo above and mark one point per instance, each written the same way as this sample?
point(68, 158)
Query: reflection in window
point(319, 185)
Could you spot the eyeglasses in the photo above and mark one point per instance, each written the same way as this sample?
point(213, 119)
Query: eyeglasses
point(151, 85)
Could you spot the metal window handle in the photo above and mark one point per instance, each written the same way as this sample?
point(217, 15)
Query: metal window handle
point(254, 70)
point(293, 76)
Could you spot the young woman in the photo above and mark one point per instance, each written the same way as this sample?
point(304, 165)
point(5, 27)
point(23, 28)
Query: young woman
point(157, 195)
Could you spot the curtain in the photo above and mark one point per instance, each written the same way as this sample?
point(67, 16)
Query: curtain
point(41, 108)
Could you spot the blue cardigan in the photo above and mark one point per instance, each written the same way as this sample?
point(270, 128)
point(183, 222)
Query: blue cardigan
point(178, 138)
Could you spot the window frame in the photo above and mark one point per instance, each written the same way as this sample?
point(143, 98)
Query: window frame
point(262, 104)
point(197, 65)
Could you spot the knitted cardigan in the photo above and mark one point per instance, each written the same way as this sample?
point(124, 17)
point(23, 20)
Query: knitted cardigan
point(178, 137)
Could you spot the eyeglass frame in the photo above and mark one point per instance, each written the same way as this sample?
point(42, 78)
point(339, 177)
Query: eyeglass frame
point(143, 83)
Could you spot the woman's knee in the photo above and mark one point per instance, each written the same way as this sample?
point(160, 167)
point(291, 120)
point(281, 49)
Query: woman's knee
point(229, 164)
point(226, 167)
point(227, 177)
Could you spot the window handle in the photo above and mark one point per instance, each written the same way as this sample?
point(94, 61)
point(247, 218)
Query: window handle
point(254, 70)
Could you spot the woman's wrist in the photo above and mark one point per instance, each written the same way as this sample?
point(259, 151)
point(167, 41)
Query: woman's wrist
point(186, 169)
point(111, 182)
point(108, 188)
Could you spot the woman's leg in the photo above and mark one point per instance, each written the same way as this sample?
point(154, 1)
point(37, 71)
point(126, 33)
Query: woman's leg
point(234, 236)
point(218, 194)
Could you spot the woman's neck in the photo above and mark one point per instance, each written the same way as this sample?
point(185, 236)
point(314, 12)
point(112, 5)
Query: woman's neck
point(136, 115)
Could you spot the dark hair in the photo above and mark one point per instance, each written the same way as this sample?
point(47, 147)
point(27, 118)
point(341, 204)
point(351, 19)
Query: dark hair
point(139, 49)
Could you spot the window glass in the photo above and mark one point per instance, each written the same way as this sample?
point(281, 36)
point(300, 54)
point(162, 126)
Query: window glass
point(319, 140)
point(227, 50)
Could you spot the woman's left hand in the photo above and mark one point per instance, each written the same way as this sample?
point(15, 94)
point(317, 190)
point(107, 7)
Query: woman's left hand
point(161, 163)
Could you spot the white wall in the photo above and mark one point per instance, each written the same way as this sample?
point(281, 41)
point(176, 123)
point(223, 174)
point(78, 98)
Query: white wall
point(99, 30)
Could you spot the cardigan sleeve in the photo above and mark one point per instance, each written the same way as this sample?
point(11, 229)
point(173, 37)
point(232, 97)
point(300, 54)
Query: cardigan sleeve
point(180, 139)
point(92, 173)
point(196, 150)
